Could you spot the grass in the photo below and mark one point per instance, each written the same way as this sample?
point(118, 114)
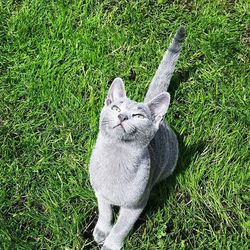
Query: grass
point(57, 60)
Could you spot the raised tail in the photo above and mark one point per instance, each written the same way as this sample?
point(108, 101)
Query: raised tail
point(166, 68)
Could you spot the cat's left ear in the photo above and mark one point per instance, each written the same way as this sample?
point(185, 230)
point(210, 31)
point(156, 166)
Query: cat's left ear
point(116, 91)
point(159, 106)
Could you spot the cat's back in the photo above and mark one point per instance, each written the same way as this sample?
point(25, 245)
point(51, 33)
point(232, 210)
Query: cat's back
point(163, 151)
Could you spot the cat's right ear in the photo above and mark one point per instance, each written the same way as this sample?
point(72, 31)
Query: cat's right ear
point(116, 91)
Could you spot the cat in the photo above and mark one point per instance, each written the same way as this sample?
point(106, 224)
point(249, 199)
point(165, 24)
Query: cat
point(134, 150)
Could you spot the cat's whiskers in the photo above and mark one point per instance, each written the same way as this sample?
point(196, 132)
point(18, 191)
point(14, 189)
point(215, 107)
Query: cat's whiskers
point(130, 126)
point(140, 131)
point(104, 123)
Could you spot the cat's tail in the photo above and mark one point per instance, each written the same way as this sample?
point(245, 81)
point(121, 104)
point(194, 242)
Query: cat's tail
point(166, 68)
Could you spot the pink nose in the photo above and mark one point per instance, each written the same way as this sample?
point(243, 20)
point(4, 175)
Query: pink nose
point(122, 117)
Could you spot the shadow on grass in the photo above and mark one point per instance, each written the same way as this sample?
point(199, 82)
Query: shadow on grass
point(177, 79)
point(87, 234)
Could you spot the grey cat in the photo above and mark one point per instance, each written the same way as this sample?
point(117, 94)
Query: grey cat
point(135, 149)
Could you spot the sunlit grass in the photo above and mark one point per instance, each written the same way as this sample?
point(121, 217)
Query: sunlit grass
point(57, 59)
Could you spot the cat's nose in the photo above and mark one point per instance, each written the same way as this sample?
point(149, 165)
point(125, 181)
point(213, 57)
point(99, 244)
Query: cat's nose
point(122, 117)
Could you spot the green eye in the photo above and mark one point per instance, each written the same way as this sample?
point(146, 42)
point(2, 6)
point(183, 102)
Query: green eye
point(115, 108)
point(138, 116)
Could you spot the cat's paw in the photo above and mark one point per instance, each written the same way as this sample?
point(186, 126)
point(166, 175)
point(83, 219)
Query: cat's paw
point(99, 236)
point(106, 248)
point(111, 245)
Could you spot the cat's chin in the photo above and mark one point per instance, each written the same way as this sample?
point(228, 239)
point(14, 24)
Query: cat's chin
point(114, 133)
point(127, 139)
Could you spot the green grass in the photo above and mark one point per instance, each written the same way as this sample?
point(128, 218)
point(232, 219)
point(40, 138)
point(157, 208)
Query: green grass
point(57, 59)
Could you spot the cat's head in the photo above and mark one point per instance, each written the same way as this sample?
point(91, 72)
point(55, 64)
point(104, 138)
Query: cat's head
point(127, 120)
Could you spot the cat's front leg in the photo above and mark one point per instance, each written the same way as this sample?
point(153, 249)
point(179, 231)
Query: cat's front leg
point(126, 219)
point(103, 225)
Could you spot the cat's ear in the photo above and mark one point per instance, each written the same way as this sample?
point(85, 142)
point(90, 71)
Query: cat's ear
point(159, 106)
point(116, 91)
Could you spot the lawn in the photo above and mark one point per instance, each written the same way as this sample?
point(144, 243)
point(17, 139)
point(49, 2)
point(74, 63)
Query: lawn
point(57, 59)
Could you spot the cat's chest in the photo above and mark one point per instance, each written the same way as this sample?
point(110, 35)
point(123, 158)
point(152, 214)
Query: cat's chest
point(119, 175)
point(115, 167)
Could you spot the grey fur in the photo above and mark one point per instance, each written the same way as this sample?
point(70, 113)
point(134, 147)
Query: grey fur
point(135, 149)
point(166, 68)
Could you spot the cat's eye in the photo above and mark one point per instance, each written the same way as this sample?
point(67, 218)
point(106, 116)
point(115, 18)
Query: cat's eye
point(140, 116)
point(115, 108)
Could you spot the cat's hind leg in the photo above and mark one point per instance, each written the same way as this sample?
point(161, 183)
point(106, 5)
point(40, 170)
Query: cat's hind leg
point(104, 223)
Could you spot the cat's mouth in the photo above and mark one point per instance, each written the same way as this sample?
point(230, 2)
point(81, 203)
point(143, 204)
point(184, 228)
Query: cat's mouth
point(118, 126)
point(126, 129)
